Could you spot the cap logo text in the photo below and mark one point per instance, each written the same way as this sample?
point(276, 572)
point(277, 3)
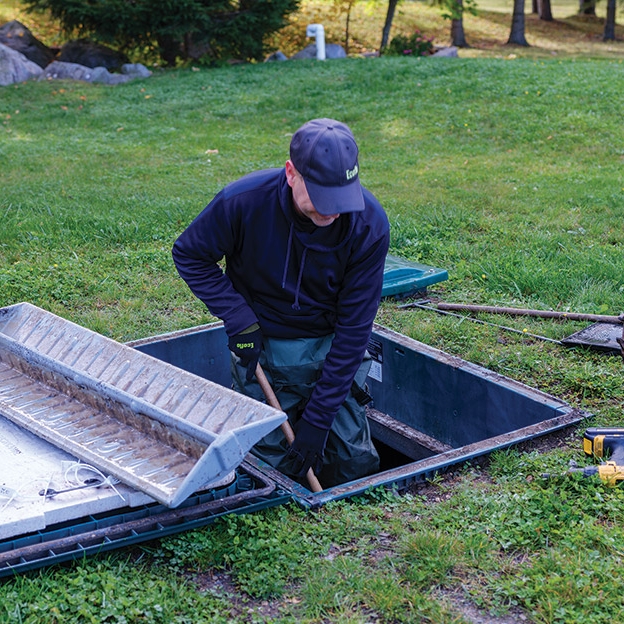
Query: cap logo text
point(351, 173)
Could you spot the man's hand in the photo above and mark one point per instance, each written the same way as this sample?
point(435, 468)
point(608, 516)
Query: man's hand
point(307, 449)
point(247, 346)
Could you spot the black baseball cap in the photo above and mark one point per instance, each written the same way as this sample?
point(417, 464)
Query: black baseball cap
point(325, 153)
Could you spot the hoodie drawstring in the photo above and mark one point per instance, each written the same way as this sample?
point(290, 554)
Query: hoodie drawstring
point(295, 305)
point(290, 237)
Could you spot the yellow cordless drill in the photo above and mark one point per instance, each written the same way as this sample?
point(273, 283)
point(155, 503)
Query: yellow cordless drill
point(604, 443)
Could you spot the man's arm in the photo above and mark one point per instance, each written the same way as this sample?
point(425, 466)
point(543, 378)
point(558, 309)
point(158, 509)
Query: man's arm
point(197, 253)
point(357, 308)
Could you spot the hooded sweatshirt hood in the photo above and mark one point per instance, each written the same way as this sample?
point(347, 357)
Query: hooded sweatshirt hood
point(311, 238)
point(286, 276)
point(295, 282)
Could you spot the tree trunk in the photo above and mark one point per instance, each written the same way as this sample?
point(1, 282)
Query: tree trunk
point(535, 7)
point(516, 36)
point(609, 29)
point(458, 36)
point(545, 10)
point(347, 29)
point(385, 35)
point(587, 7)
point(169, 49)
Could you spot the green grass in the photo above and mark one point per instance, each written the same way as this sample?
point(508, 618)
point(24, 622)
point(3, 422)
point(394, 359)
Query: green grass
point(506, 172)
point(107, 591)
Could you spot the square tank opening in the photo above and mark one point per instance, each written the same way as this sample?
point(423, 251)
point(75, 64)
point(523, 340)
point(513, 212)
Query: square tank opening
point(430, 410)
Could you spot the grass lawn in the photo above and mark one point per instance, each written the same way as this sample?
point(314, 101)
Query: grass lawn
point(505, 169)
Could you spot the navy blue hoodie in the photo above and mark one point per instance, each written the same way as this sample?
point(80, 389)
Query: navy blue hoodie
point(292, 278)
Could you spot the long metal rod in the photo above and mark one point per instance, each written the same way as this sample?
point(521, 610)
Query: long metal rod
point(289, 434)
point(474, 320)
point(572, 316)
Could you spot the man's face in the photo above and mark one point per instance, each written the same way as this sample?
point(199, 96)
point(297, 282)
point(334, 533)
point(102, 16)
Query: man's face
point(301, 199)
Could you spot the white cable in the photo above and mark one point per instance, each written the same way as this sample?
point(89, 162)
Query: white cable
point(9, 493)
point(17, 494)
point(109, 480)
point(70, 480)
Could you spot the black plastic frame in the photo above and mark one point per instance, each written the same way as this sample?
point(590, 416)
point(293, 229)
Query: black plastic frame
point(468, 409)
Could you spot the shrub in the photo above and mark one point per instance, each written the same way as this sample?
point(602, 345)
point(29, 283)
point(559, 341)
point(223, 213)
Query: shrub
point(184, 29)
point(410, 45)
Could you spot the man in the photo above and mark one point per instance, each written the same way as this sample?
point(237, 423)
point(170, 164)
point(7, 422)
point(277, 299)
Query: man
point(304, 247)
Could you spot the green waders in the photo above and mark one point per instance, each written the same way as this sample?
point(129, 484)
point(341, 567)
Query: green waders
point(293, 367)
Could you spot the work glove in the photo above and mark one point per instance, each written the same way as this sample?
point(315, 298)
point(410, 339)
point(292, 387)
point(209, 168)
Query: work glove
point(307, 449)
point(247, 346)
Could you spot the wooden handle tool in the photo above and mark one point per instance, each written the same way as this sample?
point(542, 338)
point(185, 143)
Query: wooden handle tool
point(289, 434)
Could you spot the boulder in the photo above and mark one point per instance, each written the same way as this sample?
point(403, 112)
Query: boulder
point(15, 67)
point(17, 37)
point(276, 56)
point(101, 74)
point(332, 51)
point(58, 70)
point(90, 54)
point(135, 70)
point(450, 52)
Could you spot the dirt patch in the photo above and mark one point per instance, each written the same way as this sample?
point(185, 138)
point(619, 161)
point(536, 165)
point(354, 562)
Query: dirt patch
point(220, 584)
point(471, 613)
point(243, 607)
point(455, 598)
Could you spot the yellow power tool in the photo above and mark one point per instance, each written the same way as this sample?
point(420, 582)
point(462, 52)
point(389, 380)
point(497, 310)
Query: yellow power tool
point(604, 444)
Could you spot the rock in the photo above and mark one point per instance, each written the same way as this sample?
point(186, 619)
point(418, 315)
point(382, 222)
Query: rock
point(59, 70)
point(101, 74)
point(17, 37)
point(277, 56)
point(332, 51)
point(90, 54)
point(15, 67)
point(450, 52)
point(135, 70)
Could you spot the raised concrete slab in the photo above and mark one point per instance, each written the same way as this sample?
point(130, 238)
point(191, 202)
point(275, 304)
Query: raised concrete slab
point(156, 428)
